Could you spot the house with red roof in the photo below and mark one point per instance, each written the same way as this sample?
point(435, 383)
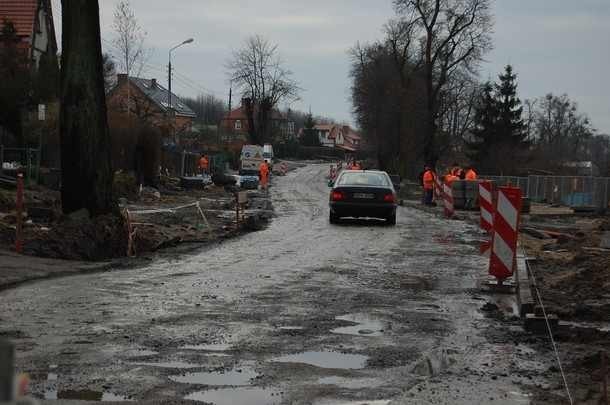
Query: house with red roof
point(235, 124)
point(339, 137)
point(34, 28)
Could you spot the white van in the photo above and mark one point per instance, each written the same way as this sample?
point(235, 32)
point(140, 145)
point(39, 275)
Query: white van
point(268, 153)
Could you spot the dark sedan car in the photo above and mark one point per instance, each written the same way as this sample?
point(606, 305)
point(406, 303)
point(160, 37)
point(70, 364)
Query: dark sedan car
point(363, 194)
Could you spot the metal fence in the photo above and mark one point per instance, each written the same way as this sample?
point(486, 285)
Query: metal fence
point(571, 191)
point(25, 160)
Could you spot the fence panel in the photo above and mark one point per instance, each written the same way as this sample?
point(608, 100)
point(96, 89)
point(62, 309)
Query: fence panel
point(571, 191)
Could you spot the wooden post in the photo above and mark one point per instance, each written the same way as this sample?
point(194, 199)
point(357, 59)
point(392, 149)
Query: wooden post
point(237, 210)
point(604, 378)
point(7, 370)
point(19, 223)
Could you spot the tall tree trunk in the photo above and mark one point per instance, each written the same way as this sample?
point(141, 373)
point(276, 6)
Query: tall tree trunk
point(85, 141)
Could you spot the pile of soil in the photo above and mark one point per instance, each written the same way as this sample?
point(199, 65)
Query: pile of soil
point(79, 238)
point(574, 273)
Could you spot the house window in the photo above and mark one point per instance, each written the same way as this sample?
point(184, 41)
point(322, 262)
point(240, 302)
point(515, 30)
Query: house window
point(238, 125)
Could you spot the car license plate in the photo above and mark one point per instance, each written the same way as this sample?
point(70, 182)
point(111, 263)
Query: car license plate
point(364, 196)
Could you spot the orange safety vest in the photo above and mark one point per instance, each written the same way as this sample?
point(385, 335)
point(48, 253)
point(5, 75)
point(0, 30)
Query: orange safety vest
point(264, 169)
point(471, 175)
point(450, 178)
point(428, 180)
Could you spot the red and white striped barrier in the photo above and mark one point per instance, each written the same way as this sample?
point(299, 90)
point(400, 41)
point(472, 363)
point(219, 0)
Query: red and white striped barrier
point(438, 188)
point(505, 233)
point(486, 204)
point(448, 198)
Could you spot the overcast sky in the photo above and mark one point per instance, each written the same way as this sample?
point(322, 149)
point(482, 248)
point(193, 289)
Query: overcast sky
point(559, 46)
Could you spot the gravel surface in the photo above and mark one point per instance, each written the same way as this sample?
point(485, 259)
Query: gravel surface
point(302, 312)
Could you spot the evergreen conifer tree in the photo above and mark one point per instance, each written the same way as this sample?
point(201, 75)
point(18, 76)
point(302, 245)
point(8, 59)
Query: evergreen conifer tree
point(499, 137)
point(484, 130)
point(310, 135)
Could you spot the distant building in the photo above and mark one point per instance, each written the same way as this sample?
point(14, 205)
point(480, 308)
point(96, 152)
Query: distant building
point(338, 136)
point(235, 124)
point(146, 100)
point(33, 22)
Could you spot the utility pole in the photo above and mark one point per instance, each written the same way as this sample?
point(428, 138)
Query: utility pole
point(169, 81)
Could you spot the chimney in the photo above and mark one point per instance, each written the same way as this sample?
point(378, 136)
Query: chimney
point(153, 83)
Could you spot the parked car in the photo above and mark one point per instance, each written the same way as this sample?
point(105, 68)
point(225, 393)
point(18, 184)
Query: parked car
point(363, 194)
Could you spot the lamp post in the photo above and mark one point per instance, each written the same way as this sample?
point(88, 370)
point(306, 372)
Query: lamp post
point(169, 78)
point(169, 86)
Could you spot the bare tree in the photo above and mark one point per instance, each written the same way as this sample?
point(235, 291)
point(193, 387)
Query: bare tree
point(129, 43)
point(129, 40)
point(260, 73)
point(109, 72)
point(453, 35)
point(85, 142)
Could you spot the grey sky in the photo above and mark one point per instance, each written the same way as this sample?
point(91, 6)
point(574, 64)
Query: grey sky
point(555, 45)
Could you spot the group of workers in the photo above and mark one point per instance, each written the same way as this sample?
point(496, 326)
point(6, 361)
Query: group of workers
point(351, 164)
point(456, 172)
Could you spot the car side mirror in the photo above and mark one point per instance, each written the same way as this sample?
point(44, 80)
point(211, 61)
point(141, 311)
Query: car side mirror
point(331, 183)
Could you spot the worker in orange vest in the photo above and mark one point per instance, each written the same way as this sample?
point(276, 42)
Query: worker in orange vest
point(356, 166)
point(450, 178)
point(458, 172)
point(264, 175)
point(428, 184)
point(471, 175)
point(204, 164)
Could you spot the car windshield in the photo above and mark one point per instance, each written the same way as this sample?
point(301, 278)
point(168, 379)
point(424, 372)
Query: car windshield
point(363, 179)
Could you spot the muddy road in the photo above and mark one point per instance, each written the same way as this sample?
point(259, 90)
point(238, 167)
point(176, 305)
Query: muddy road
point(303, 312)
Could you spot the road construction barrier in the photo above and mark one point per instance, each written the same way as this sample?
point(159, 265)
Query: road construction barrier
point(486, 204)
point(19, 223)
point(283, 168)
point(448, 199)
point(505, 233)
point(132, 225)
point(438, 188)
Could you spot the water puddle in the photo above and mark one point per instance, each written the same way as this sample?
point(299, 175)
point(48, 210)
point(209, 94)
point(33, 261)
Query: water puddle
point(237, 396)
point(168, 364)
point(214, 347)
point(326, 360)
point(83, 395)
point(377, 402)
point(235, 377)
point(600, 326)
point(140, 353)
point(366, 325)
point(291, 328)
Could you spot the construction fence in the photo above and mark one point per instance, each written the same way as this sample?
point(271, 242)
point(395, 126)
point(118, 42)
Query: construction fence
point(571, 191)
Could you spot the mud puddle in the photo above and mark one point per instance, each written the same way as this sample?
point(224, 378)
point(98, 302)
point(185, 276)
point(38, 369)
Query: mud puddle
point(214, 347)
point(168, 364)
point(376, 402)
point(350, 383)
point(83, 395)
point(599, 326)
point(235, 377)
point(326, 360)
point(237, 396)
point(366, 325)
point(289, 328)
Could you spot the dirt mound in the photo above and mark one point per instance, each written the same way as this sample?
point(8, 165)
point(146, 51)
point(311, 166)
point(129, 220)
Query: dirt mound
point(80, 238)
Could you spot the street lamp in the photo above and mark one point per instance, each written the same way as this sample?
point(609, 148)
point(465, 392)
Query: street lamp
point(169, 79)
